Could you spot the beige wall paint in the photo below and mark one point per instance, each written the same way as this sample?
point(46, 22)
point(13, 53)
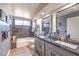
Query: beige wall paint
point(54, 22)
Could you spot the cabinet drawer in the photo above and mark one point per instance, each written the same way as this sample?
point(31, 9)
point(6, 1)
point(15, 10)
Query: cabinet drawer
point(60, 50)
point(50, 52)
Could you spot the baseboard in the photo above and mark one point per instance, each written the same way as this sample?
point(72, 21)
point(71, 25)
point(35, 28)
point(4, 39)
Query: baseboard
point(8, 52)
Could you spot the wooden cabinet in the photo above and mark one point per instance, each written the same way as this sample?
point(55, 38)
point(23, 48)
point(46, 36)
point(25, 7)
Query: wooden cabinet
point(39, 46)
point(44, 48)
point(36, 45)
point(58, 50)
point(51, 52)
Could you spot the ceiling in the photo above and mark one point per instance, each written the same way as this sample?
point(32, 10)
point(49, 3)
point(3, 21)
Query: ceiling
point(25, 9)
point(69, 10)
point(30, 10)
point(50, 8)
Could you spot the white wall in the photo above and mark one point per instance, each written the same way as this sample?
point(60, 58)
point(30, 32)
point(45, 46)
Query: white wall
point(73, 27)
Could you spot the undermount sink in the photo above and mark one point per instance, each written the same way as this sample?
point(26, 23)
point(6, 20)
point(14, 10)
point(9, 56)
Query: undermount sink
point(42, 36)
point(70, 45)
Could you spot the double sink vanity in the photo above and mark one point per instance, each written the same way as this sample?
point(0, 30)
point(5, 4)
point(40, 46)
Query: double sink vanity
point(45, 46)
point(60, 37)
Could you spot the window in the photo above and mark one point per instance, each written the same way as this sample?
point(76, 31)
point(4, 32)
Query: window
point(18, 22)
point(26, 23)
point(22, 22)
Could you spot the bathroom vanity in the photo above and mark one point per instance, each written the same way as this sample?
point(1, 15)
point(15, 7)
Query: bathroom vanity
point(64, 41)
point(51, 47)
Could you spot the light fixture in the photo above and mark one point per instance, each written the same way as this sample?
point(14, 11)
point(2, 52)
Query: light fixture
point(42, 13)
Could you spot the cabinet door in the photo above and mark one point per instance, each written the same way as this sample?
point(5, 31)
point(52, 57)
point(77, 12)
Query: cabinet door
point(60, 50)
point(37, 45)
point(41, 47)
point(50, 52)
point(46, 49)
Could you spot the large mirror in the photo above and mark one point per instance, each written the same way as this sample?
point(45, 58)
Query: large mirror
point(47, 25)
point(68, 22)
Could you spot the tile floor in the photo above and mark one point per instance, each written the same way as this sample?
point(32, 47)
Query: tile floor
point(22, 51)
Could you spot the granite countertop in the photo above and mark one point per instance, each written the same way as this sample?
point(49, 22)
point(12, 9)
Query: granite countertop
point(52, 41)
